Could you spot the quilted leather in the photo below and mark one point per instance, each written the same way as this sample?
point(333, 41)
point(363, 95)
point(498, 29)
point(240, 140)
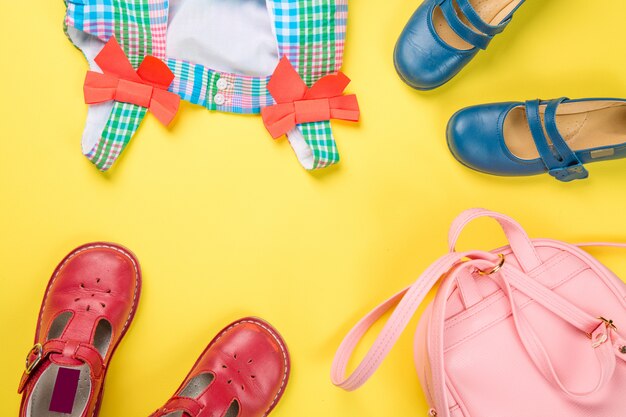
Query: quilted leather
point(248, 363)
point(97, 281)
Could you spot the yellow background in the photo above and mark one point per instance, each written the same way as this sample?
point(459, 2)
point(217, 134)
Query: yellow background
point(226, 223)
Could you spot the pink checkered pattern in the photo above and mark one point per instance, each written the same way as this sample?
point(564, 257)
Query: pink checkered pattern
point(309, 32)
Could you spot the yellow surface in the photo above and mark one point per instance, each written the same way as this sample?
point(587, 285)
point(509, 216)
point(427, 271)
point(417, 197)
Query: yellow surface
point(226, 223)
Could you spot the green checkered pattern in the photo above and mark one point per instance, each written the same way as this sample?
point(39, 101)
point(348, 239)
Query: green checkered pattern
point(130, 23)
point(319, 137)
point(132, 30)
point(123, 122)
point(309, 32)
point(317, 57)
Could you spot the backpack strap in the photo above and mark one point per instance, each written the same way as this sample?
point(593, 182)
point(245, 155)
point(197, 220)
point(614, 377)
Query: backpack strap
point(516, 235)
point(410, 298)
point(408, 301)
point(447, 268)
point(603, 338)
point(601, 244)
point(602, 335)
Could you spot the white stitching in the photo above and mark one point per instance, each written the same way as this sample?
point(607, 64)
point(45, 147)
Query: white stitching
point(58, 270)
point(282, 348)
point(550, 264)
point(72, 255)
point(506, 315)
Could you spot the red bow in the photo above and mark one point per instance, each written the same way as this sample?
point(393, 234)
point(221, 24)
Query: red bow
point(299, 104)
point(146, 87)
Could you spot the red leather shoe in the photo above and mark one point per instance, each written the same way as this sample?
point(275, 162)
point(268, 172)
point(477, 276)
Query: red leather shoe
point(88, 306)
point(242, 373)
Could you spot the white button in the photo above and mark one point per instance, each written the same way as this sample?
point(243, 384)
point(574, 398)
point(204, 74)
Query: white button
point(222, 84)
point(219, 99)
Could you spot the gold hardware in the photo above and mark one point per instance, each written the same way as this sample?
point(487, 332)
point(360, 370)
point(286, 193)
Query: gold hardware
point(38, 351)
point(602, 338)
point(495, 268)
point(609, 323)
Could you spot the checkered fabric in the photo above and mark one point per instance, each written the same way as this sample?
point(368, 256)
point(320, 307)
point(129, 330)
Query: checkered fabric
point(140, 28)
point(199, 85)
point(310, 33)
point(322, 27)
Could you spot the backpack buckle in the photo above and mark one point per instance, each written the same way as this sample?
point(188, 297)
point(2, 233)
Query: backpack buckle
point(601, 338)
point(495, 269)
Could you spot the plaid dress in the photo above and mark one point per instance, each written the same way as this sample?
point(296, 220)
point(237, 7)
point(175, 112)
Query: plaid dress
point(310, 33)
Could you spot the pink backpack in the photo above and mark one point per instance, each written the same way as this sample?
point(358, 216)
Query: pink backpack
point(524, 330)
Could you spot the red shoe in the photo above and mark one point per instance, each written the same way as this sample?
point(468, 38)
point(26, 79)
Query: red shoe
point(242, 373)
point(89, 304)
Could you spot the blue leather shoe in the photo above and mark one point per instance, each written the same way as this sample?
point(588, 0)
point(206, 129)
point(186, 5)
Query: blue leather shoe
point(442, 36)
point(536, 137)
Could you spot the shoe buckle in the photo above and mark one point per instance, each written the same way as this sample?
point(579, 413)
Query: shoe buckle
point(37, 352)
point(572, 172)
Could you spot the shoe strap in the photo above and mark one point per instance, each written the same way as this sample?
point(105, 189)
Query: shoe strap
point(474, 18)
point(67, 349)
point(185, 404)
point(561, 162)
point(479, 40)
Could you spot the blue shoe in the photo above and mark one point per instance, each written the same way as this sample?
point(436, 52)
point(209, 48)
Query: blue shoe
point(535, 137)
point(442, 36)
